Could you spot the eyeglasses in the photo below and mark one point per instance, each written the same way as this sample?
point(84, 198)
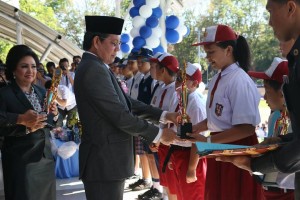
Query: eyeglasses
point(115, 43)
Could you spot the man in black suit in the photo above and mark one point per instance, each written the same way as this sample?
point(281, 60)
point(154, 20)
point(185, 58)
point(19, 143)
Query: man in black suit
point(108, 116)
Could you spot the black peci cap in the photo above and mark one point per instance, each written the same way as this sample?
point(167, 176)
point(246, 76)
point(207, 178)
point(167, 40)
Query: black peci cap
point(104, 24)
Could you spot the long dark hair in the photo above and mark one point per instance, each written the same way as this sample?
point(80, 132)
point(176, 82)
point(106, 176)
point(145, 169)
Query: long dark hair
point(241, 51)
point(15, 54)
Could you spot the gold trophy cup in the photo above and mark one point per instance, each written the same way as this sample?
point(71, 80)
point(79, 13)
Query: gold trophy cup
point(184, 124)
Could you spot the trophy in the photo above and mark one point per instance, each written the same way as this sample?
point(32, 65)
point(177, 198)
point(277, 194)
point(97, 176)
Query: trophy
point(184, 124)
point(51, 96)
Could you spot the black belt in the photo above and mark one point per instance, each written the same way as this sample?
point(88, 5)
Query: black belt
point(171, 150)
point(277, 189)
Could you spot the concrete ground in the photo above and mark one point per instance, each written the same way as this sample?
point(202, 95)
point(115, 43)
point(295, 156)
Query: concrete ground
point(72, 189)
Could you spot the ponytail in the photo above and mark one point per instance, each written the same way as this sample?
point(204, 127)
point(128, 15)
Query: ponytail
point(241, 51)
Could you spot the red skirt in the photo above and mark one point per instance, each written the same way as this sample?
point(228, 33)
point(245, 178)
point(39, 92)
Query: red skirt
point(224, 181)
point(188, 191)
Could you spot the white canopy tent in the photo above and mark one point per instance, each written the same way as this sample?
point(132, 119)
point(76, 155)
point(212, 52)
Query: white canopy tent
point(20, 28)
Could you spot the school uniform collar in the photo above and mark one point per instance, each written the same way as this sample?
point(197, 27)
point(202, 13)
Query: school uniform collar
point(168, 86)
point(146, 75)
point(229, 69)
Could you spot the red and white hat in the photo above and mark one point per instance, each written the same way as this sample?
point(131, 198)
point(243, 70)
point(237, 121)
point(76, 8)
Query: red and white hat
point(218, 33)
point(194, 71)
point(275, 72)
point(169, 61)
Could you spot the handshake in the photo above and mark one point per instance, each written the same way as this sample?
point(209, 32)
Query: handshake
point(169, 135)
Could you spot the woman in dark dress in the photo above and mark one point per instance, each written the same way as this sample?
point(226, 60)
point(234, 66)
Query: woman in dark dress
point(28, 165)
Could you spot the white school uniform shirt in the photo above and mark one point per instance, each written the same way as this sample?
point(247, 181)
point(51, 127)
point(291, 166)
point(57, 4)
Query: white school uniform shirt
point(133, 88)
point(235, 100)
point(157, 95)
point(169, 95)
point(196, 110)
point(65, 93)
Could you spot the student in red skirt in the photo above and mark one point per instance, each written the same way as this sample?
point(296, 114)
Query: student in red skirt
point(232, 113)
point(189, 170)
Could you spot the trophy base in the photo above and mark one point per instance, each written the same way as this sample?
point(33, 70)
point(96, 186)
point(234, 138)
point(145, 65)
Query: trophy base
point(184, 129)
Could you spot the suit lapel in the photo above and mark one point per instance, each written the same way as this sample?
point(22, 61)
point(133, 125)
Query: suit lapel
point(20, 95)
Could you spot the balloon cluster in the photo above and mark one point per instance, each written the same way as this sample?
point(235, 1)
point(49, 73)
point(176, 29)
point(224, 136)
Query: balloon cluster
point(146, 31)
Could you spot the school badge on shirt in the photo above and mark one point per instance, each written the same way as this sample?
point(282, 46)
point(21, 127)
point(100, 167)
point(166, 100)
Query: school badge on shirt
point(219, 109)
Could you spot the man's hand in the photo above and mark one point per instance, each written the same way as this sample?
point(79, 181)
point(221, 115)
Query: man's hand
point(172, 117)
point(168, 136)
point(243, 162)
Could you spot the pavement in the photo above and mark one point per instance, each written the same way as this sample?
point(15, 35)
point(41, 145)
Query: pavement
point(72, 189)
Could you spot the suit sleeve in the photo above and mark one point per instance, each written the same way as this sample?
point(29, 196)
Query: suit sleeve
point(8, 122)
point(107, 100)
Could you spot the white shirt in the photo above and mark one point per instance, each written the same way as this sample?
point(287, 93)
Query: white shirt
point(235, 100)
point(63, 81)
point(64, 93)
point(157, 94)
point(134, 89)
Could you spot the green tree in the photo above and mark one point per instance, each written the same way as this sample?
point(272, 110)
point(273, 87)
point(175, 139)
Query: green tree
point(4, 48)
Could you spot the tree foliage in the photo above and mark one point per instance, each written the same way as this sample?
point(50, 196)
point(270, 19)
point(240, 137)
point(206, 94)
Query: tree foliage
point(248, 18)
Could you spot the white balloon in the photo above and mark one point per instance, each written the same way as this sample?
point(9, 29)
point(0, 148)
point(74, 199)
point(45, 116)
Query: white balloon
point(134, 32)
point(182, 30)
point(157, 32)
point(138, 21)
point(152, 42)
point(180, 39)
point(153, 3)
point(145, 11)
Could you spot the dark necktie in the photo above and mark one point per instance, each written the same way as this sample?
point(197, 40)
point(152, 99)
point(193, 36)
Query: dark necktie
point(131, 86)
point(162, 98)
point(214, 90)
point(154, 89)
point(67, 81)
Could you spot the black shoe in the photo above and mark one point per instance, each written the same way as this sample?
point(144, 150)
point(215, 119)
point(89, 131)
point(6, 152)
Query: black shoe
point(146, 194)
point(138, 182)
point(140, 185)
point(152, 194)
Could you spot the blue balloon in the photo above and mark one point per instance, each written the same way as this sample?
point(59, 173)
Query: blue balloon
point(139, 3)
point(135, 50)
point(188, 32)
point(125, 48)
point(172, 22)
point(172, 36)
point(152, 21)
point(125, 38)
point(145, 32)
point(157, 12)
point(158, 49)
point(138, 42)
point(134, 11)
